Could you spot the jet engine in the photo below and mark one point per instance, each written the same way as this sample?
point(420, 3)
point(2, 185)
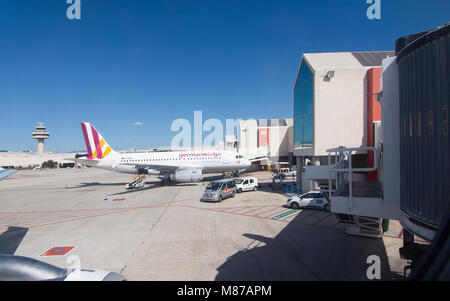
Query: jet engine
point(20, 268)
point(186, 175)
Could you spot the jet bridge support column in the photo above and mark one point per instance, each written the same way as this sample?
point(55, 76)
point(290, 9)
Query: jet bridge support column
point(300, 166)
point(316, 162)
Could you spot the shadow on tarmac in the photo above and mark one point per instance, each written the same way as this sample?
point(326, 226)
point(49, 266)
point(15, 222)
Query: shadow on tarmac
point(84, 185)
point(11, 239)
point(212, 178)
point(90, 184)
point(305, 252)
point(155, 183)
point(152, 185)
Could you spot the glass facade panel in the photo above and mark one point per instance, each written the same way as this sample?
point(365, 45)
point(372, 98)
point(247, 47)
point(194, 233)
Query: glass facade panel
point(304, 108)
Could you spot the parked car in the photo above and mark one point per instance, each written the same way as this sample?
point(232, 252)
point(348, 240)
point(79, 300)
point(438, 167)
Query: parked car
point(247, 184)
point(216, 191)
point(291, 174)
point(312, 199)
point(279, 176)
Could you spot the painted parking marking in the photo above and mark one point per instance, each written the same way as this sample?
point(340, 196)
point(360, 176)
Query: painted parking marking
point(239, 209)
point(117, 200)
point(229, 210)
point(251, 210)
point(224, 209)
point(289, 212)
point(291, 217)
point(323, 218)
point(57, 251)
point(314, 218)
point(265, 211)
point(255, 209)
point(34, 219)
point(268, 217)
point(326, 220)
point(329, 221)
point(93, 216)
point(306, 217)
point(269, 213)
point(336, 224)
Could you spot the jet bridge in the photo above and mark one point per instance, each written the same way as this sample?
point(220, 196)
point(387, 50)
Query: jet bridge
point(363, 198)
point(412, 160)
point(356, 202)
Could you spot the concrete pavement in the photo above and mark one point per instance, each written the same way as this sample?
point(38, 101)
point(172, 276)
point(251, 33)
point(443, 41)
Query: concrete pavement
point(166, 233)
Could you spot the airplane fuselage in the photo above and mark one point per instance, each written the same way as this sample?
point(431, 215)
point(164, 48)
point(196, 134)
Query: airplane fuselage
point(179, 166)
point(206, 161)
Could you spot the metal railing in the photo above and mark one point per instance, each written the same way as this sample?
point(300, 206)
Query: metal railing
point(343, 165)
point(292, 189)
point(287, 188)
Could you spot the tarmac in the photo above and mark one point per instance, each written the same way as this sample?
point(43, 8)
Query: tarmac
point(86, 218)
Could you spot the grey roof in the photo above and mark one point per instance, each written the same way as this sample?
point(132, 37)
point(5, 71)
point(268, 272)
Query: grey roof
point(271, 122)
point(342, 60)
point(372, 58)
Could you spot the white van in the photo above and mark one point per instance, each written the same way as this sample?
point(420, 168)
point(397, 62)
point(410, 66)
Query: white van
point(246, 184)
point(216, 191)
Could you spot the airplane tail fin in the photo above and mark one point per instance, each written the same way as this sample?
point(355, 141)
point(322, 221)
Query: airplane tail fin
point(96, 145)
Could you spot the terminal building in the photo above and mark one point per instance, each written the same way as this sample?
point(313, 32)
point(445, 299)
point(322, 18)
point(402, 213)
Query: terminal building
point(26, 160)
point(274, 136)
point(335, 103)
point(408, 179)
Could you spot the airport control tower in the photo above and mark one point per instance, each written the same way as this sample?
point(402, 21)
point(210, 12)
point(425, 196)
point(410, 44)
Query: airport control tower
point(41, 134)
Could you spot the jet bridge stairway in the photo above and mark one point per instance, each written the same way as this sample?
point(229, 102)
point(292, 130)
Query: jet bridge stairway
point(342, 217)
point(136, 182)
point(358, 225)
point(342, 187)
point(370, 226)
point(366, 226)
point(355, 201)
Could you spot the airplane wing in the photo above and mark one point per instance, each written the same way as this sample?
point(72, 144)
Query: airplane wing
point(258, 159)
point(261, 153)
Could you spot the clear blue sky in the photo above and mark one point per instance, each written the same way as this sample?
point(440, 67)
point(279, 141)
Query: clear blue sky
point(155, 61)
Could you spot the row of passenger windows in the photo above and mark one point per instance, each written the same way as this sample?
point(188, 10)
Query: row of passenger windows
point(172, 159)
point(428, 123)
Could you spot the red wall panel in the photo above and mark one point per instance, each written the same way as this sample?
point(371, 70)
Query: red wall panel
point(263, 137)
point(373, 112)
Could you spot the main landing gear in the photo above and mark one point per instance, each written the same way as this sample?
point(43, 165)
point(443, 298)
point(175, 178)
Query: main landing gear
point(166, 181)
point(136, 182)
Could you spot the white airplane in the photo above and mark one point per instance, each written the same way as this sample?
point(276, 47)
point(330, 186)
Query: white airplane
point(176, 166)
